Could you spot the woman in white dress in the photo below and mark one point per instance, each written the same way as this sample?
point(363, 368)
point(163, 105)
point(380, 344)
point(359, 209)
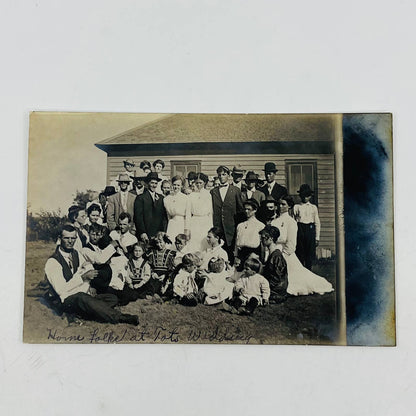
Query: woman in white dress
point(201, 213)
point(214, 250)
point(301, 280)
point(178, 210)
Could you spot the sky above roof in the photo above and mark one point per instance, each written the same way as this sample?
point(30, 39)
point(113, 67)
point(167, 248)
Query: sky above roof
point(63, 158)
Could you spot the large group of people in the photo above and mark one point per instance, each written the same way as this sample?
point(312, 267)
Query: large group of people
point(233, 240)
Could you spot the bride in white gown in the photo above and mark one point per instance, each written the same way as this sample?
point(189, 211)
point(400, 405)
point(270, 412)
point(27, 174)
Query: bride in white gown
point(301, 280)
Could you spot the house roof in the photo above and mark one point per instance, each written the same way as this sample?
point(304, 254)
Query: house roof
point(193, 128)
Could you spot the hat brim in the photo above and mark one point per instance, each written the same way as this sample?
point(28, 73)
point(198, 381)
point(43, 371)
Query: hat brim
point(118, 180)
point(152, 179)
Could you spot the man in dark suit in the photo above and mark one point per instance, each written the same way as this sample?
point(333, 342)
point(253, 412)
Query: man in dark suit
point(122, 201)
point(272, 187)
point(149, 210)
point(226, 204)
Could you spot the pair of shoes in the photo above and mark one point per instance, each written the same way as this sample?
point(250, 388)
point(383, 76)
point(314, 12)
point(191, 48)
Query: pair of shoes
point(228, 308)
point(126, 318)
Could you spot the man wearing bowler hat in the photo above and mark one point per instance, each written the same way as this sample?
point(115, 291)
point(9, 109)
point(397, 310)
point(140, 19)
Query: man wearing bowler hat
point(122, 201)
point(272, 187)
point(149, 210)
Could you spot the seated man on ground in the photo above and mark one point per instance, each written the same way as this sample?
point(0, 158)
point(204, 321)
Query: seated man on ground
point(71, 284)
point(103, 254)
point(123, 235)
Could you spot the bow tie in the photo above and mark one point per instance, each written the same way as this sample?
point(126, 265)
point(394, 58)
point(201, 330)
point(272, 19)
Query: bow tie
point(223, 186)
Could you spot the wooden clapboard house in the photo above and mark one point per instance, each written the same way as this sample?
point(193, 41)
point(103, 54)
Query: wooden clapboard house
point(302, 146)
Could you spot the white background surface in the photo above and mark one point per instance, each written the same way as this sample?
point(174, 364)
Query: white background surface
point(204, 56)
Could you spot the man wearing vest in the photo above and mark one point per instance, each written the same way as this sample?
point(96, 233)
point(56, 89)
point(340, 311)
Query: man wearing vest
point(70, 281)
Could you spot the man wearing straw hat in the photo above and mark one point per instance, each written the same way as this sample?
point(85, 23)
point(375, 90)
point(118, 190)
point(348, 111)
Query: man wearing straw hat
point(122, 201)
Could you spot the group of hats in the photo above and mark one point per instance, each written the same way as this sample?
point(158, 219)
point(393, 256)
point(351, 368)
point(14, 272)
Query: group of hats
point(304, 190)
point(123, 177)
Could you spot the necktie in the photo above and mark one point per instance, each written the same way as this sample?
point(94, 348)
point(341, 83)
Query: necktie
point(70, 263)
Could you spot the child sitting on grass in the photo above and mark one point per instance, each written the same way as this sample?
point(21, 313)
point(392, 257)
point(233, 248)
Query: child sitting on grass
point(184, 287)
point(216, 287)
point(139, 271)
point(250, 290)
point(161, 260)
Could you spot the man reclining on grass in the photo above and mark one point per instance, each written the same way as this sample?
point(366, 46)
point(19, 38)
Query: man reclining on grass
point(70, 284)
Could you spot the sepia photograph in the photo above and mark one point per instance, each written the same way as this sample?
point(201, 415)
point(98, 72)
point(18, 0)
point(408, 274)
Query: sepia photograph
point(194, 228)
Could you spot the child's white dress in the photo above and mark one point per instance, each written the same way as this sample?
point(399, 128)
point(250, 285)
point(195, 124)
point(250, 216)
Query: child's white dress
point(217, 287)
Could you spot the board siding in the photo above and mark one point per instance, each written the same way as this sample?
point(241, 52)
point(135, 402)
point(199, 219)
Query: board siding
point(209, 164)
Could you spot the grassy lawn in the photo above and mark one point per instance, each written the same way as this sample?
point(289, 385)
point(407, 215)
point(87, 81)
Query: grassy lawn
point(300, 320)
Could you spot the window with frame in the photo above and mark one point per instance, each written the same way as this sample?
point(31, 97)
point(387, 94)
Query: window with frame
point(183, 167)
point(299, 172)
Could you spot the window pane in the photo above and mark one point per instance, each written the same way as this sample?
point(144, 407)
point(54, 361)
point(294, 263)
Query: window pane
point(295, 178)
point(307, 175)
point(180, 170)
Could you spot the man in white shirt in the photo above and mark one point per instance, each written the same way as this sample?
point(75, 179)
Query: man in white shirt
point(248, 238)
point(124, 237)
point(70, 284)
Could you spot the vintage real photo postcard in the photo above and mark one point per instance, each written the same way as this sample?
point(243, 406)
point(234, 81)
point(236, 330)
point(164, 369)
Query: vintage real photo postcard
point(210, 228)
